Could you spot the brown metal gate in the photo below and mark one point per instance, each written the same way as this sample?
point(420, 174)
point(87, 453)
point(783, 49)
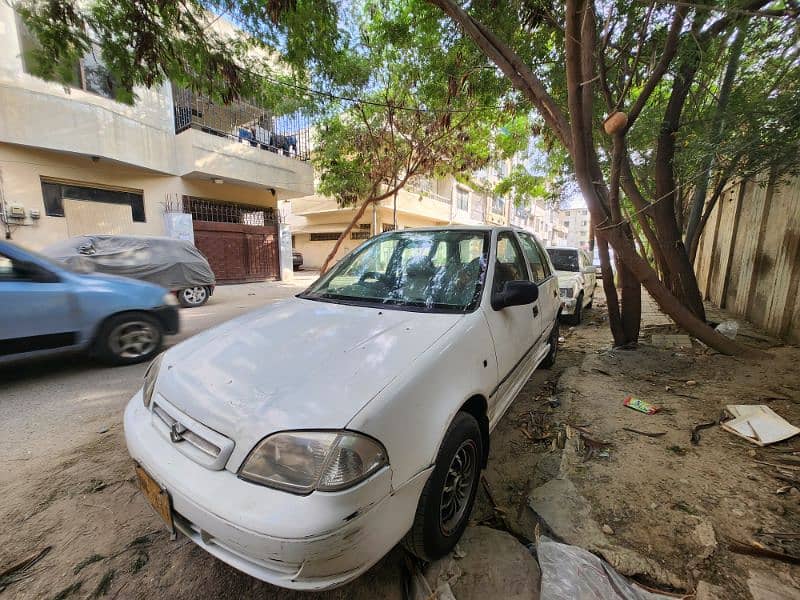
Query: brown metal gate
point(238, 252)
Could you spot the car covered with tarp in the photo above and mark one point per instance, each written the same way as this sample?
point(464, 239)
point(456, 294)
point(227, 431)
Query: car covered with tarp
point(176, 265)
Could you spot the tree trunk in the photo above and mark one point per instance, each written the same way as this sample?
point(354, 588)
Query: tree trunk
point(717, 128)
point(612, 300)
point(356, 218)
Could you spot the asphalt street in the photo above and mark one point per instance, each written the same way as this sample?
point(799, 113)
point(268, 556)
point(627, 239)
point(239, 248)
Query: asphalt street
point(50, 406)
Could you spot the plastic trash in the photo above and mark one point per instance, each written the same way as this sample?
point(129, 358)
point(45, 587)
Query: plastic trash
point(641, 405)
point(572, 573)
point(728, 328)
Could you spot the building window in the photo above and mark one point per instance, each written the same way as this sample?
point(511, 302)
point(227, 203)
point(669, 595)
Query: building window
point(584, 223)
point(324, 237)
point(54, 193)
point(499, 205)
point(360, 235)
point(566, 223)
point(462, 199)
point(425, 184)
point(89, 73)
point(387, 227)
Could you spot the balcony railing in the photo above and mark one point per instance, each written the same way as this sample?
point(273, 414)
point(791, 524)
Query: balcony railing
point(247, 123)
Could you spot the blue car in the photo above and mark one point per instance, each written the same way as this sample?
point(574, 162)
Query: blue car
point(47, 308)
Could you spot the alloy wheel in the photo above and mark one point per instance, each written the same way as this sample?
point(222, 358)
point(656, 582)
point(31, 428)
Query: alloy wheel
point(194, 295)
point(458, 484)
point(133, 339)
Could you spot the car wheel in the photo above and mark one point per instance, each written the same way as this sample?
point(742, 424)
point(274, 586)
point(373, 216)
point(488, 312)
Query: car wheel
point(550, 359)
point(591, 302)
point(446, 501)
point(193, 296)
point(575, 318)
point(128, 338)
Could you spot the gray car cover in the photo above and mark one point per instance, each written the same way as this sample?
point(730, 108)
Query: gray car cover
point(173, 264)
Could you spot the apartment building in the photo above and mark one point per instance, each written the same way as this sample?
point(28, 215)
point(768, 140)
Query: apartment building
point(576, 222)
point(542, 219)
point(317, 221)
point(73, 160)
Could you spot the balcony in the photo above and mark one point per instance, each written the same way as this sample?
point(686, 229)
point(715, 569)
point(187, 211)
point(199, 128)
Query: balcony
point(242, 142)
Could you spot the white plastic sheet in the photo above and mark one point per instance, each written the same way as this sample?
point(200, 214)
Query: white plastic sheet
point(572, 573)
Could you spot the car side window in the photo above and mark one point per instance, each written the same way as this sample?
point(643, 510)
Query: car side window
point(11, 270)
point(510, 264)
point(533, 253)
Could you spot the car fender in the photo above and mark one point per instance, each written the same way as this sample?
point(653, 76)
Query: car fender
point(411, 415)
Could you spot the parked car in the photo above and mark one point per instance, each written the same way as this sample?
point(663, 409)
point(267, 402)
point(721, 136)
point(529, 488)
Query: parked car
point(174, 264)
point(48, 308)
point(577, 280)
point(299, 443)
point(297, 260)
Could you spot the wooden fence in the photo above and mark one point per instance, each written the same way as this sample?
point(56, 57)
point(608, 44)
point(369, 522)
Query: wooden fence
point(748, 261)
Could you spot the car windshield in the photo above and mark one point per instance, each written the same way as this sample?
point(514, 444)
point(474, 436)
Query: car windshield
point(564, 260)
point(435, 271)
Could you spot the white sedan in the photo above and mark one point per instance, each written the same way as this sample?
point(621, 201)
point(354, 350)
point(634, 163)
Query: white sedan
point(577, 280)
point(300, 442)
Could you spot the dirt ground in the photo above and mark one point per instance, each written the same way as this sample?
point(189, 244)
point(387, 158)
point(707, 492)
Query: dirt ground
point(102, 540)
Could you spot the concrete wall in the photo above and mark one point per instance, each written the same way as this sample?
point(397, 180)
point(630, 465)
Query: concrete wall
point(21, 170)
point(748, 260)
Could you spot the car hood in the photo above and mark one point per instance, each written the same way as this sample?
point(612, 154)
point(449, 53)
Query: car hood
point(297, 364)
point(567, 278)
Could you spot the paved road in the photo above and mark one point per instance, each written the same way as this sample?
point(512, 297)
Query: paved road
point(51, 406)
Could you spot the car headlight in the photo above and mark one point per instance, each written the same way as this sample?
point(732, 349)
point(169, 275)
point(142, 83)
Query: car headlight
point(303, 461)
point(150, 379)
point(170, 300)
point(566, 292)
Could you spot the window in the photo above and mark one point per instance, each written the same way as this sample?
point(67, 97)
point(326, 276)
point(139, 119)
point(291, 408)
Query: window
point(387, 227)
point(360, 235)
point(566, 223)
point(324, 237)
point(462, 199)
point(425, 184)
point(510, 265)
point(54, 193)
point(536, 260)
point(89, 73)
point(584, 223)
point(499, 205)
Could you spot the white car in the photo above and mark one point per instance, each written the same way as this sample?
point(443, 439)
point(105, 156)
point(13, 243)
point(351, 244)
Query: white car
point(577, 280)
point(300, 442)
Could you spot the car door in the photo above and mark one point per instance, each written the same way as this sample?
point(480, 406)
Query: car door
point(589, 277)
point(39, 310)
point(545, 278)
point(514, 329)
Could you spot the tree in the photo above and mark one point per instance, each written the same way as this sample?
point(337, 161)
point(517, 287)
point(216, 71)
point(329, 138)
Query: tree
point(614, 86)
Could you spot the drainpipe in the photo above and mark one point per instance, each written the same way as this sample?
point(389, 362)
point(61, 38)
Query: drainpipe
point(374, 219)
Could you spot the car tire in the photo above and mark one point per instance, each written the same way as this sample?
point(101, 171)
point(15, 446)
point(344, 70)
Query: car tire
point(550, 360)
point(128, 338)
point(591, 302)
point(442, 514)
point(193, 296)
point(575, 318)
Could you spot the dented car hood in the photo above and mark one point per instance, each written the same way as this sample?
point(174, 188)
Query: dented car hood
point(297, 364)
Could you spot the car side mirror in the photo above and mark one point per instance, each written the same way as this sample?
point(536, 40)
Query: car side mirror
point(515, 293)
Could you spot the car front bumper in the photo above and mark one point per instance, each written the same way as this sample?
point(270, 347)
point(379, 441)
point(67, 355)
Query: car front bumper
point(169, 318)
point(313, 542)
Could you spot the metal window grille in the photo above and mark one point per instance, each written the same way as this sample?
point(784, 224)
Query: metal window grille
point(387, 227)
point(324, 237)
point(359, 235)
point(224, 212)
point(246, 122)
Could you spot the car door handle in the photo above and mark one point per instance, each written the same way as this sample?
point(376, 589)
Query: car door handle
point(535, 310)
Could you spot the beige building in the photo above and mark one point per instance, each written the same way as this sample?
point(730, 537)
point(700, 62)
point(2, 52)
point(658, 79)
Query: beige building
point(317, 221)
point(576, 222)
point(73, 160)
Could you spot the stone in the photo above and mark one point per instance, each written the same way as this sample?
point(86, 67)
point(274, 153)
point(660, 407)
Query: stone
point(794, 492)
point(691, 383)
point(704, 535)
point(706, 591)
point(494, 565)
point(765, 586)
point(569, 516)
point(607, 529)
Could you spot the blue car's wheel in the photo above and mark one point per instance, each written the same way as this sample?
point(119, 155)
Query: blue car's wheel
point(128, 338)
